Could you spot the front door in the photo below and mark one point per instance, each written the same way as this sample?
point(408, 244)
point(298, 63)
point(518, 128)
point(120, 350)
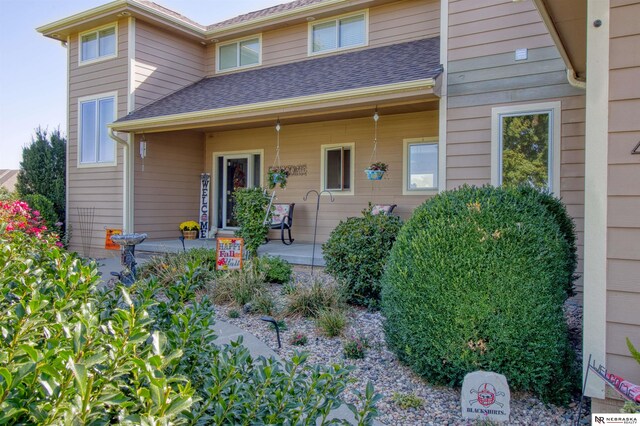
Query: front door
point(235, 172)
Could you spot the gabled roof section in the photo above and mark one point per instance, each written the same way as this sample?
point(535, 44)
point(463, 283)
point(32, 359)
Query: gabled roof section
point(251, 16)
point(415, 61)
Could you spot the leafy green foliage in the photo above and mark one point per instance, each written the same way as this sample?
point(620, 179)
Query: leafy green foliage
point(238, 286)
point(168, 268)
point(558, 211)
point(276, 270)
point(299, 339)
point(72, 355)
point(309, 300)
point(407, 400)
point(357, 251)
point(250, 207)
point(233, 313)
point(332, 321)
point(43, 169)
point(476, 281)
point(43, 205)
point(355, 347)
point(525, 150)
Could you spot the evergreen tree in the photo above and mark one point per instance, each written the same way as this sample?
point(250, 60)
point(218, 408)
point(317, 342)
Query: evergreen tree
point(43, 168)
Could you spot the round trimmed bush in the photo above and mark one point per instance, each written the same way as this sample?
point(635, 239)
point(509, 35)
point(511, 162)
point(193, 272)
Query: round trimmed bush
point(356, 253)
point(476, 281)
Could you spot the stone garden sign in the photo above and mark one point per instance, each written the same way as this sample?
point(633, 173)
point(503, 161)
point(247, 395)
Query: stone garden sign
point(485, 395)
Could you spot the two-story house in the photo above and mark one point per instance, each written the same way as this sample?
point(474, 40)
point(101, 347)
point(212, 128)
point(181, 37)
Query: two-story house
point(155, 99)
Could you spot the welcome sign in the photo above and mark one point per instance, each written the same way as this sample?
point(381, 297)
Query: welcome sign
point(205, 179)
point(229, 253)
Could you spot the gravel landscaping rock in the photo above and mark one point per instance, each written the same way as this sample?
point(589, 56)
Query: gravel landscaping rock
point(441, 405)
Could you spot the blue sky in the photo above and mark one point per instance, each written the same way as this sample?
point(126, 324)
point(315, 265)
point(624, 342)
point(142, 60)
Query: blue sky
point(33, 68)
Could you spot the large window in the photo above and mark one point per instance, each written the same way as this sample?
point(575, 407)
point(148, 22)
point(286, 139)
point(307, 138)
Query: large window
point(338, 33)
point(98, 44)
point(96, 147)
point(239, 54)
point(526, 145)
point(337, 168)
point(420, 166)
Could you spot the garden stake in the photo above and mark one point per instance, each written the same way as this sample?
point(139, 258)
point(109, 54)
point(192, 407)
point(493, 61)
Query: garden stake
point(315, 226)
point(275, 324)
point(181, 238)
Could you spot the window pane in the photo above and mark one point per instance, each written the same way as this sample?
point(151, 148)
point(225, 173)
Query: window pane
point(423, 166)
point(108, 42)
point(525, 150)
point(249, 52)
point(346, 167)
point(89, 47)
point(352, 31)
point(333, 172)
point(106, 149)
point(228, 56)
point(88, 132)
point(324, 36)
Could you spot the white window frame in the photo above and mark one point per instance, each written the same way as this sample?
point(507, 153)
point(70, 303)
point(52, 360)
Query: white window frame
point(113, 25)
point(96, 98)
point(311, 24)
point(238, 41)
point(554, 109)
point(406, 163)
point(323, 164)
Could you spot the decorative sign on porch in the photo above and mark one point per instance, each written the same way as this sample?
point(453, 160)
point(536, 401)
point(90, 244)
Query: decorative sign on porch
point(229, 253)
point(486, 395)
point(108, 244)
point(625, 388)
point(294, 170)
point(205, 179)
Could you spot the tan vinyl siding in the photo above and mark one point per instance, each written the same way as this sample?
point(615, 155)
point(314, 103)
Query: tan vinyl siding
point(623, 201)
point(164, 63)
point(301, 144)
point(167, 190)
point(397, 22)
point(483, 74)
point(95, 187)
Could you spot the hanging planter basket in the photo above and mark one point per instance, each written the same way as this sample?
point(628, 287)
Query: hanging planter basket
point(374, 174)
point(278, 177)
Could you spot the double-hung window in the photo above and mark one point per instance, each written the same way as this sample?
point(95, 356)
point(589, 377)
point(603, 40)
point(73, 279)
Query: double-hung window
point(344, 32)
point(420, 166)
point(96, 147)
point(526, 145)
point(239, 54)
point(98, 44)
point(337, 168)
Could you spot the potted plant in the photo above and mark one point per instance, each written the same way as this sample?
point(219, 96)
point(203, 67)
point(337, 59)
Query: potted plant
point(376, 170)
point(278, 176)
point(189, 229)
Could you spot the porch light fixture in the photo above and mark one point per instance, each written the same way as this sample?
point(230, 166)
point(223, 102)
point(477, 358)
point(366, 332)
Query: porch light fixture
point(143, 149)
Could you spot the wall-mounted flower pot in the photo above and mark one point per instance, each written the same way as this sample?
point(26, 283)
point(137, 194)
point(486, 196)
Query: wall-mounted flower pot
point(374, 174)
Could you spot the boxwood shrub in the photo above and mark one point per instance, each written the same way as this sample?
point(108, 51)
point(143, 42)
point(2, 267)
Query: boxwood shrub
point(476, 281)
point(356, 253)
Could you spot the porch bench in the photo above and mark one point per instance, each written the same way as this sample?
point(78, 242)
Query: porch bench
point(282, 219)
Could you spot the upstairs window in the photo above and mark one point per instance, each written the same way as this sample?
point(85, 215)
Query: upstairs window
point(337, 168)
point(96, 147)
point(239, 54)
point(526, 145)
point(340, 33)
point(98, 44)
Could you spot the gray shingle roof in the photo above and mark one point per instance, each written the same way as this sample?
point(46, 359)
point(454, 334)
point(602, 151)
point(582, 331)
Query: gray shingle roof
point(263, 13)
point(397, 63)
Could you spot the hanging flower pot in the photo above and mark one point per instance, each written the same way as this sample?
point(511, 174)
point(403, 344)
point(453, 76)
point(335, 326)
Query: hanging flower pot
point(278, 177)
point(376, 170)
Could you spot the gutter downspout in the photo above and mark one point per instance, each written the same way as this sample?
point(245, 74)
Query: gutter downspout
point(572, 77)
point(126, 177)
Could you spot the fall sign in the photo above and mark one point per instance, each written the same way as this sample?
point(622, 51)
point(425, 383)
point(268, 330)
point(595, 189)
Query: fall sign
point(229, 253)
point(108, 244)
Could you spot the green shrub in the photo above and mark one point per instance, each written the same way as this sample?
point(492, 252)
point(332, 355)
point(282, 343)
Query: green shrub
point(476, 281)
point(234, 314)
point(238, 286)
point(45, 207)
point(355, 347)
point(170, 267)
point(356, 253)
point(276, 270)
point(332, 322)
point(250, 209)
point(309, 300)
point(407, 400)
point(299, 339)
point(263, 303)
point(558, 211)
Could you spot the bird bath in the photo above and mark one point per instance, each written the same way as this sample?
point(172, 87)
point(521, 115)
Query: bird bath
point(128, 243)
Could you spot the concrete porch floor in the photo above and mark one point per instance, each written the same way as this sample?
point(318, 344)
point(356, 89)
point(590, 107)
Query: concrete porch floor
point(296, 253)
